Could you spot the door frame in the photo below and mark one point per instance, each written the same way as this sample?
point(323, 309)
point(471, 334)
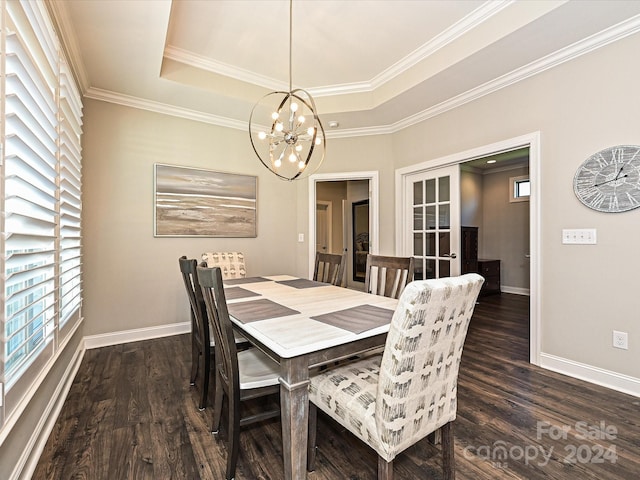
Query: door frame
point(531, 140)
point(374, 192)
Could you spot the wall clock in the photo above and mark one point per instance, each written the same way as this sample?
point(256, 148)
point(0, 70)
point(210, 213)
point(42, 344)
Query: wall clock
point(609, 180)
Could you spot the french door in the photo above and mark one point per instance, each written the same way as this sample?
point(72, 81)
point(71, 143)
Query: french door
point(432, 222)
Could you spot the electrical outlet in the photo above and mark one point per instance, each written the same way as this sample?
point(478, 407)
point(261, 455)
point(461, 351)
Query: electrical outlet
point(620, 340)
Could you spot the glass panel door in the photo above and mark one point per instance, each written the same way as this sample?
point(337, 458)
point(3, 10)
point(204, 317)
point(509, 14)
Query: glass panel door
point(434, 211)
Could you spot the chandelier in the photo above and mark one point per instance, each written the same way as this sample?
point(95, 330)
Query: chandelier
point(291, 142)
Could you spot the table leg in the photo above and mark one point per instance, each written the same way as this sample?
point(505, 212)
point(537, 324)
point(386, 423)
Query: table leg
point(294, 407)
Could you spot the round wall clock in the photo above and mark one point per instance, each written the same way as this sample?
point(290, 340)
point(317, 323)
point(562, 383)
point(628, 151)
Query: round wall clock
point(609, 180)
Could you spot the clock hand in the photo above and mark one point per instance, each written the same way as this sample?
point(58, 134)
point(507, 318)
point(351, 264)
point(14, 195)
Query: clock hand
point(612, 180)
point(619, 172)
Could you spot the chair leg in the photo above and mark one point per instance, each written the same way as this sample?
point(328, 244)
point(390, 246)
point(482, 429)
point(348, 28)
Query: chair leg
point(448, 459)
point(217, 405)
point(206, 373)
point(195, 361)
point(311, 437)
point(234, 436)
point(385, 469)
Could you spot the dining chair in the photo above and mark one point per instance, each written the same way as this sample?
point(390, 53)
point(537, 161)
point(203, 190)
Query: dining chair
point(387, 276)
point(231, 263)
point(201, 341)
point(329, 268)
point(393, 400)
point(239, 375)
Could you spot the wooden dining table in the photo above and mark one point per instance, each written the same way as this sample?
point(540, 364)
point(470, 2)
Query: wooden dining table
point(302, 324)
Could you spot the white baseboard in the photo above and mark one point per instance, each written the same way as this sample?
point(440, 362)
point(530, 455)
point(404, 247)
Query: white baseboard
point(514, 290)
point(135, 335)
point(589, 373)
point(28, 461)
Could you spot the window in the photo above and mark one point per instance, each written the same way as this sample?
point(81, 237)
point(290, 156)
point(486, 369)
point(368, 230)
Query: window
point(41, 184)
point(519, 189)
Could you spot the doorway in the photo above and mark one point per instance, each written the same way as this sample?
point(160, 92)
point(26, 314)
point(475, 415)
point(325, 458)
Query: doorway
point(404, 215)
point(356, 187)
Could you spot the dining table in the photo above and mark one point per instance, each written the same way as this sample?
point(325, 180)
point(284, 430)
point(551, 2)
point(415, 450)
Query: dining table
point(303, 324)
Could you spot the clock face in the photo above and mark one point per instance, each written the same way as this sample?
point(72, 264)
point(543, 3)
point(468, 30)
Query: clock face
point(609, 181)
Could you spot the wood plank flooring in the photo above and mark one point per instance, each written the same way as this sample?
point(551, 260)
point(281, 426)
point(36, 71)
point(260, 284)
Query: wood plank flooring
point(131, 414)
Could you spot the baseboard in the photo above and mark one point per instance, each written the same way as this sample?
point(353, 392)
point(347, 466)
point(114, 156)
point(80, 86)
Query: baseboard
point(28, 461)
point(514, 290)
point(135, 335)
point(599, 376)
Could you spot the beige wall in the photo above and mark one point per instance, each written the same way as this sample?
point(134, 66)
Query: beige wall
point(334, 193)
point(504, 234)
point(131, 279)
point(579, 108)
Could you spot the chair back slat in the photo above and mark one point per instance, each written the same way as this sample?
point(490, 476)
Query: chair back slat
point(199, 320)
point(387, 276)
point(329, 268)
point(417, 387)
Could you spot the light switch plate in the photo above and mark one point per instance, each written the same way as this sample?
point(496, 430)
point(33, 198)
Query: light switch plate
point(579, 236)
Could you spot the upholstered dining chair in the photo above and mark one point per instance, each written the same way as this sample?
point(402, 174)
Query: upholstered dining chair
point(239, 376)
point(393, 400)
point(387, 276)
point(232, 264)
point(329, 268)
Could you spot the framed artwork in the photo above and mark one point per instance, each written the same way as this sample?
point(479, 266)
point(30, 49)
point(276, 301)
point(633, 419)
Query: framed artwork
point(190, 202)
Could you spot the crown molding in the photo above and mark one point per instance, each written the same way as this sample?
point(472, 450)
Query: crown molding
point(451, 34)
point(594, 42)
point(166, 109)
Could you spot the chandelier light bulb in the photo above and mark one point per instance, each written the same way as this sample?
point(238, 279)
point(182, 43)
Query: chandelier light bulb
point(311, 131)
point(277, 163)
point(301, 165)
point(294, 107)
point(279, 126)
point(298, 148)
point(301, 119)
point(293, 157)
point(275, 115)
point(262, 135)
point(318, 140)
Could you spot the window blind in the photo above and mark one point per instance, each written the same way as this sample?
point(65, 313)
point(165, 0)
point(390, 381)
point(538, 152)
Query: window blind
point(41, 182)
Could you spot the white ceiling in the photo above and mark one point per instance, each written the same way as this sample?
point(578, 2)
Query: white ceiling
point(373, 66)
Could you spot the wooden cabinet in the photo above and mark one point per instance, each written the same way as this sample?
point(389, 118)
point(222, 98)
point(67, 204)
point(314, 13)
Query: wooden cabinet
point(469, 249)
point(490, 270)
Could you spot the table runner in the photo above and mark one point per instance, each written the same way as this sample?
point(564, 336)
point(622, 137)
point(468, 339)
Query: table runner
point(262, 309)
point(357, 319)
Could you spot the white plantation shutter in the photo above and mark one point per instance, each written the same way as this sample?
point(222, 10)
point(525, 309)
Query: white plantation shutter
point(41, 195)
point(70, 198)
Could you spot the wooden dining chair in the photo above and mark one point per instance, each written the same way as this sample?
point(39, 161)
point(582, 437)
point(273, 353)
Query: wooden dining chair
point(329, 268)
point(387, 276)
point(239, 376)
point(392, 401)
point(201, 341)
point(232, 264)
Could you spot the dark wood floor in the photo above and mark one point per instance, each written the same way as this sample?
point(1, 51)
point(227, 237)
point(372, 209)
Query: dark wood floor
point(131, 414)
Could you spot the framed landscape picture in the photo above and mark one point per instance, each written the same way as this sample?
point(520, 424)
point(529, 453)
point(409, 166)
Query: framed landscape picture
point(190, 202)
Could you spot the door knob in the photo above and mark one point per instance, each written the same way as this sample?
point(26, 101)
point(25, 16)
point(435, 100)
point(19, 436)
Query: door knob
point(452, 255)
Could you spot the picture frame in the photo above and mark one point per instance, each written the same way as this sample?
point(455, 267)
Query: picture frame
point(194, 202)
